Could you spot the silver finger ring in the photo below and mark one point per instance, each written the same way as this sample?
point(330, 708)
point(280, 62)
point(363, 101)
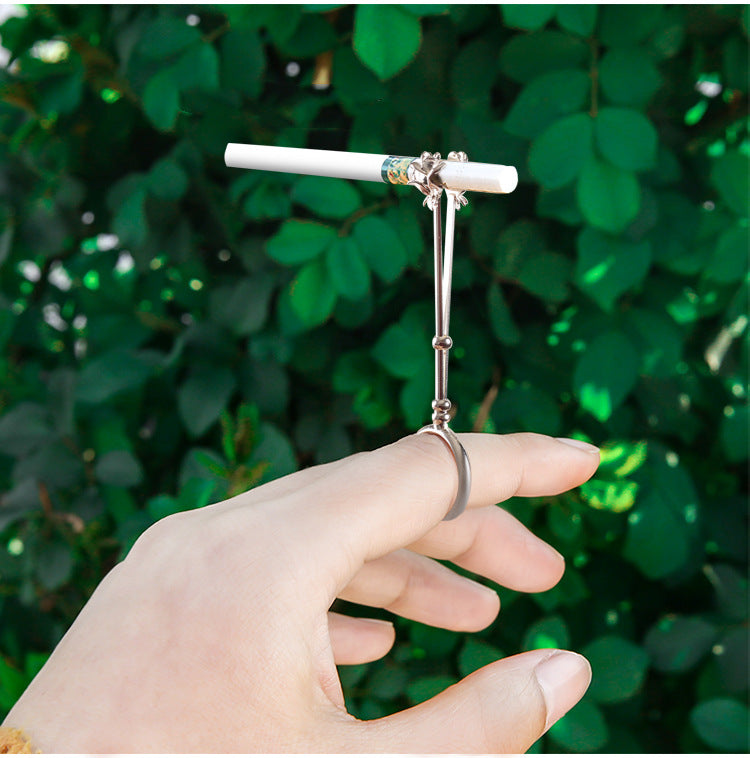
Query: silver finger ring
point(462, 464)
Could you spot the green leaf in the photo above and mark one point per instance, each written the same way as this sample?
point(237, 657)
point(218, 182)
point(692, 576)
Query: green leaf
point(401, 351)
point(605, 374)
point(276, 451)
point(608, 197)
point(203, 396)
point(60, 94)
point(428, 686)
point(546, 275)
point(12, 684)
point(435, 642)
point(735, 63)
point(657, 339)
point(613, 496)
point(471, 79)
point(265, 383)
point(528, 17)
point(242, 307)
point(322, 8)
point(354, 83)
point(626, 138)
point(609, 266)
point(722, 723)
point(564, 524)
point(299, 241)
point(347, 269)
point(619, 459)
point(557, 156)
point(381, 247)
point(166, 36)
point(386, 38)
point(501, 319)
point(327, 197)
point(416, 394)
point(161, 100)
point(312, 294)
point(677, 643)
point(527, 407)
point(352, 370)
point(387, 682)
point(6, 236)
point(167, 180)
point(626, 25)
point(582, 729)
point(34, 662)
point(269, 201)
point(548, 632)
point(475, 654)
point(729, 261)
point(733, 661)
point(560, 204)
point(619, 668)
point(544, 100)
point(628, 77)
point(312, 36)
point(161, 506)
point(119, 468)
point(243, 62)
point(111, 373)
point(657, 540)
point(515, 244)
point(733, 432)
point(198, 68)
point(731, 589)
point(527, 56)
point(54, 565)
point(427, 9)
point(129, 222)
point(24, 428)
point(731, 177)
point(577, 19)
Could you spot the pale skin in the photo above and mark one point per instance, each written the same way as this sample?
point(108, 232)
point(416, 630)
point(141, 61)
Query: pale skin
point(214, 634)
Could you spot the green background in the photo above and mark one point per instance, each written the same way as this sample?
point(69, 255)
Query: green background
point(173, 331)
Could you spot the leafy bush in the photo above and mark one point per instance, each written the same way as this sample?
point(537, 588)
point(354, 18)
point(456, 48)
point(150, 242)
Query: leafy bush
point(173, 331)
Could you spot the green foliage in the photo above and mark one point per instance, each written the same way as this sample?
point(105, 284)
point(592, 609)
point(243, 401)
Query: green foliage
point(722, 723)
point(174, 332)
point(582, 730)
point(386, 38)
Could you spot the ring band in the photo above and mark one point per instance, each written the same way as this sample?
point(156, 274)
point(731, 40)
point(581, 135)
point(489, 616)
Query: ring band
point(462, 464)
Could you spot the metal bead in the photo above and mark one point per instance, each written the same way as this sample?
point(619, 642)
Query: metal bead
point(443, 342)
point(458, 155)
point(442, 405)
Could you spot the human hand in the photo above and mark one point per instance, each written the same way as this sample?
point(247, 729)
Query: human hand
point(214, 634)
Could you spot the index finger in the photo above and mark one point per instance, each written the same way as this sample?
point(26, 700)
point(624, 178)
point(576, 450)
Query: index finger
point(373, 503)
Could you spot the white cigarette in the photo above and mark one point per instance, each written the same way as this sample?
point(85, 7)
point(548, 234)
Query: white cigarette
point(392, 169)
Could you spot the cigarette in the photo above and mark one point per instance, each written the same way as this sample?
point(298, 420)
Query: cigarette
point(391, 169)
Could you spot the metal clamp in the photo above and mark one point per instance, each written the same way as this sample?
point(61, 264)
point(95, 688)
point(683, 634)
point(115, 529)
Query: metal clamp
point(424, 175)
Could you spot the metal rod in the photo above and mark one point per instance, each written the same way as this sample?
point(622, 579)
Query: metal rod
point(441, 341)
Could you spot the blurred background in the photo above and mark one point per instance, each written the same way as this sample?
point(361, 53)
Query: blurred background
point(173, 332)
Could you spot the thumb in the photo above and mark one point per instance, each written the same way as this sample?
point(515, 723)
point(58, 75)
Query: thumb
point(501, 708)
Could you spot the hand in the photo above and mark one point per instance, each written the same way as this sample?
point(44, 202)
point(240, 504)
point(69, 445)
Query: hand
point(214, 635)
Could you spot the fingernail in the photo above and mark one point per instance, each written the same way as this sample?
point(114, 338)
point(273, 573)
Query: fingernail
point(580, 444)
point(482, 588)
point(563, 678)
point(381, 622)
